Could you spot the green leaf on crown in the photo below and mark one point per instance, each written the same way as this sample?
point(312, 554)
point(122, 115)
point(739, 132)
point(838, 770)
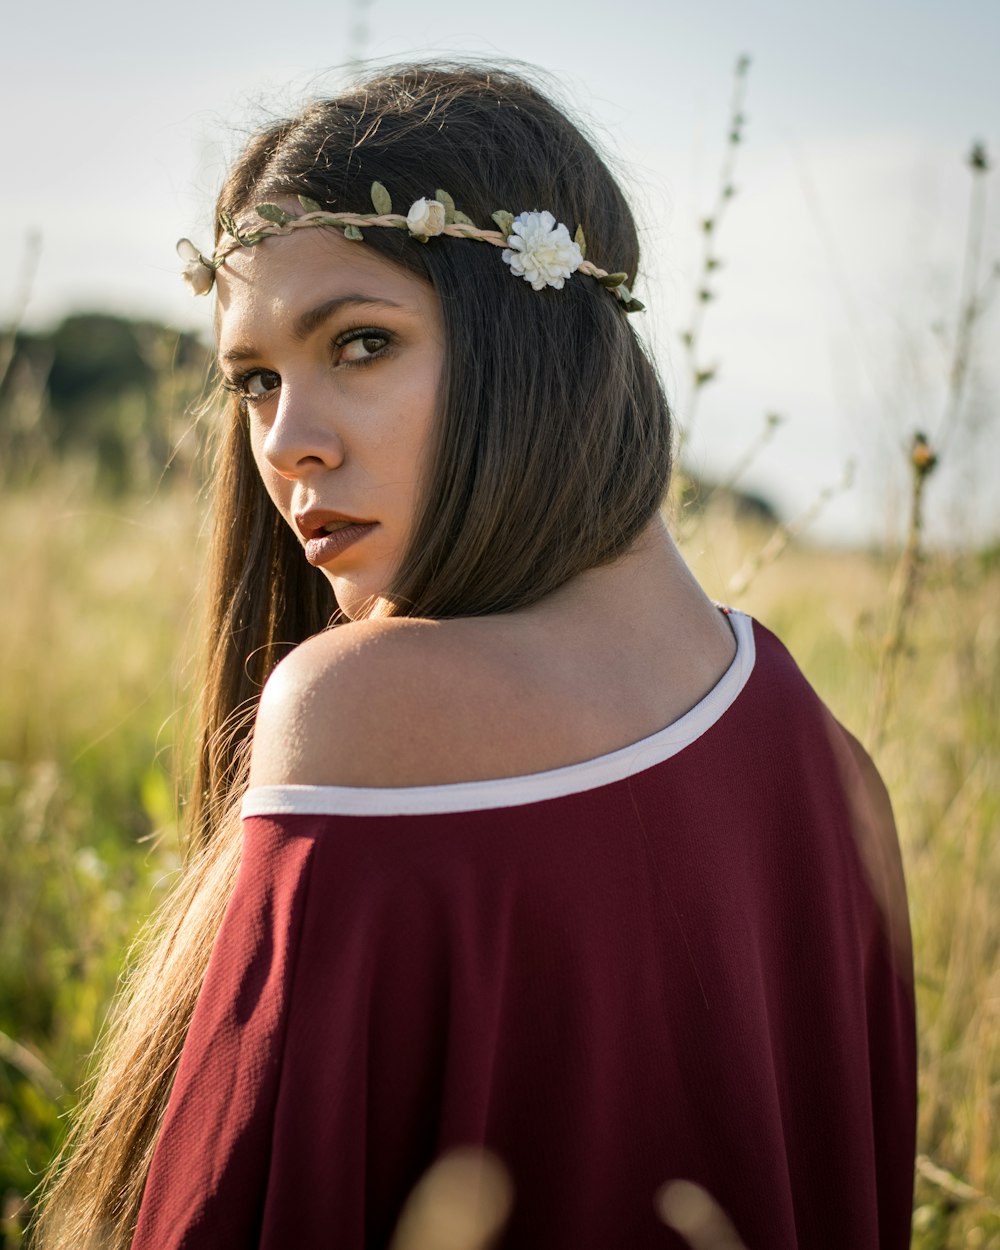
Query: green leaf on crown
point(449, 205)
point(381, 199)
point(628, 299)
point(463, 219)
point(272, 212)
point(354, 234)
point(612, 279)
point(310, 205)
point(580, 240)
point(504, 220)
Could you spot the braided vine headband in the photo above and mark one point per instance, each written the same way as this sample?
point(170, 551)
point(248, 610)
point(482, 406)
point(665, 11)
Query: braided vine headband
point(536, 247)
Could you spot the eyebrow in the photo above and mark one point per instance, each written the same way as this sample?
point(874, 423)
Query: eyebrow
point(308, 322)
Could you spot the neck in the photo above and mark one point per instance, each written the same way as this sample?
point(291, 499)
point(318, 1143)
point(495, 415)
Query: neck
point(650, 586)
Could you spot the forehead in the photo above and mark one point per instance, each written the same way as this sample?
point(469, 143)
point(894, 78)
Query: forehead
point(266, 288)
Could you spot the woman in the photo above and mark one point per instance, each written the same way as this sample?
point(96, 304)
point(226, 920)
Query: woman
point(542, 852)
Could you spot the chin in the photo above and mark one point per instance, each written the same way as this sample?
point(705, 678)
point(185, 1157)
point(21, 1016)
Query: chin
point(358, 599)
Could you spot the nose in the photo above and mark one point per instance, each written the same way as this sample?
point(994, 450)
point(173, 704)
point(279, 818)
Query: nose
point(302, 439)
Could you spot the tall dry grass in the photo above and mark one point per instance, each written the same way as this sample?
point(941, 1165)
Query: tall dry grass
point(94, 629)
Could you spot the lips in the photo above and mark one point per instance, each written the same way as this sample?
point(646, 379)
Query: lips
point(327, 533)
point(316, 523)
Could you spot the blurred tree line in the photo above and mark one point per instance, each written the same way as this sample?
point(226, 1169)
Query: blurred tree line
point(110, 394)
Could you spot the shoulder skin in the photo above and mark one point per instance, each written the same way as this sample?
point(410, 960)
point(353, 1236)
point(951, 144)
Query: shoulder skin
point(381, 702)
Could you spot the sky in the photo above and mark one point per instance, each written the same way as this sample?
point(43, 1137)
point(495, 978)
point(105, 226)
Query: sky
point(841, 253)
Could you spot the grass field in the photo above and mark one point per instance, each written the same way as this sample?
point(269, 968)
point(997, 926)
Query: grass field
point(96, 630)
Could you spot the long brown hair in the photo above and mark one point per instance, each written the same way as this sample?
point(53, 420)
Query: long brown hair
point(553, 451)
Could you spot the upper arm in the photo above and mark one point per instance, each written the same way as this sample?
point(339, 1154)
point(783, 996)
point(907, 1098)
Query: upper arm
point(874, 830)
point(371, 703)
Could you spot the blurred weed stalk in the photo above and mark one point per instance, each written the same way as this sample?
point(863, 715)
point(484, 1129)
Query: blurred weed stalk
point(692, 498)
point(700, 373)
point(974, 300)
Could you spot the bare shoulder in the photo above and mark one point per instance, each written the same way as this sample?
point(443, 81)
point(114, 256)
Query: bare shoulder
point(382, 702)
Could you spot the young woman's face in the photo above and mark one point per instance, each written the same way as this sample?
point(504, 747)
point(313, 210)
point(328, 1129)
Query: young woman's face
point(338, 356)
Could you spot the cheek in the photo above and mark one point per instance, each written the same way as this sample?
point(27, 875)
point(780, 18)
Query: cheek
point(424, 418)
point(394, 435)
point(278, 488)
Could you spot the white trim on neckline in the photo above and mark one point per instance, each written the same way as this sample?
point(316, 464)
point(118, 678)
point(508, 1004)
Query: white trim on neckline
point(470, 796)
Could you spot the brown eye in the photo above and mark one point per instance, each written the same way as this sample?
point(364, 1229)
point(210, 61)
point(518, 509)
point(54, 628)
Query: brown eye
point(361, 348)
point(259, 383)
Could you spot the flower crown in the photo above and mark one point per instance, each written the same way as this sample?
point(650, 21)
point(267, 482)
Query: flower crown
point(536, 247)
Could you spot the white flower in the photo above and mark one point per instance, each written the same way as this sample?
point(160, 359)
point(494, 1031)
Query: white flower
point(197, 274)
point(425, 218)
point(541, 251)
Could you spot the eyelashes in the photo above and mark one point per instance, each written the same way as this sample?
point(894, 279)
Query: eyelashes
point(253, 386)
point(241, 384)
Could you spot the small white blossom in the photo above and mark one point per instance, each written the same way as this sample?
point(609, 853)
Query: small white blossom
point(541, 251)
point(425, 218)
point(197, 274)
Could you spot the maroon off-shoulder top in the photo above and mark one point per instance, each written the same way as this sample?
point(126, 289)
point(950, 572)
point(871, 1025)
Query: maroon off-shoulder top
point(686, 959)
